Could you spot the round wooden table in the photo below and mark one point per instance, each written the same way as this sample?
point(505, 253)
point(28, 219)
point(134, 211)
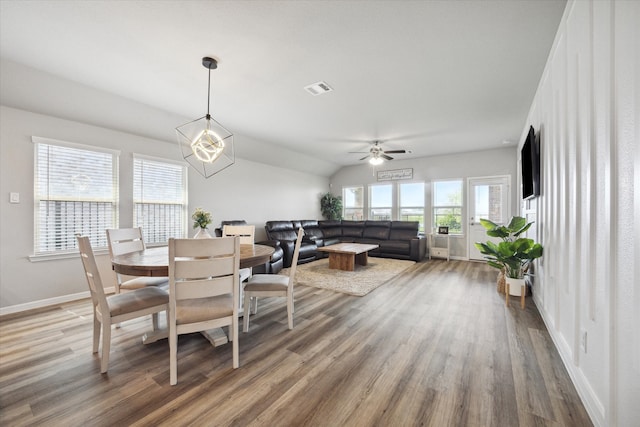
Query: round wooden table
point(155, 261)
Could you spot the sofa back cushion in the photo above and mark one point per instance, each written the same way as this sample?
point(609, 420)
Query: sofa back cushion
point(404, 230)
point(280, 230)
point(378, 230)
point(309, 223)
point(352, 228)
point(331, 229)
point(311, 228)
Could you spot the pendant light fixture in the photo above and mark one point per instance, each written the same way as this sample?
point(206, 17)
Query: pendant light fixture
point(205, 144)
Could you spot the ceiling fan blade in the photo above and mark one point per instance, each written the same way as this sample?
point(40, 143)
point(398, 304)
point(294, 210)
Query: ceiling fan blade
point(395, 151)
point(384, 156)
point(358, 152)
point(364, 157)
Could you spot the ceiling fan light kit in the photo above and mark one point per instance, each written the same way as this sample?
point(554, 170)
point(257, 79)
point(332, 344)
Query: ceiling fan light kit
point(375, 161)
point(205, 144)
point(377, 155)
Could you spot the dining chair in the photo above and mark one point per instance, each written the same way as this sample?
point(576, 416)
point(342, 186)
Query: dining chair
point(203, 291)
point(123, 241)
point(116, 308)
point(272, 285)
point(247, 236)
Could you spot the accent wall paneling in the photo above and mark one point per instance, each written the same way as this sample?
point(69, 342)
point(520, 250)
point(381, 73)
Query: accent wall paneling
point(586, 108)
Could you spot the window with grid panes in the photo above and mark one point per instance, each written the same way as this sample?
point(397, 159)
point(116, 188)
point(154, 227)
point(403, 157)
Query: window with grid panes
point(412, 202)
point(380, 202)
point(447, 205)
point(353, 203)
point(76, 192)
point(159, 198)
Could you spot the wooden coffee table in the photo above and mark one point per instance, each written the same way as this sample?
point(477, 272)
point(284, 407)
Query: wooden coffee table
point(344, 256)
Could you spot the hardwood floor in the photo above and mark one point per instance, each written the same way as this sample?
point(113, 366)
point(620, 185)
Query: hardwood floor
point(435, 347)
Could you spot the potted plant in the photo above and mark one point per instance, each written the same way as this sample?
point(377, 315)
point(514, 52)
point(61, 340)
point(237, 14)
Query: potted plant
point(331, 206)
point(201, 220)
point(513, 254)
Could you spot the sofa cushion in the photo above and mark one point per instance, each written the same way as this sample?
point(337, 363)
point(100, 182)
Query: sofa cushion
point(352, 228)
point(403, 230)
point(281, 230)
point(395, 246)
point(376, 230)
point(331, 230)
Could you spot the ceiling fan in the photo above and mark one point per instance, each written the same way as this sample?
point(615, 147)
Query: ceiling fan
point(377, 154)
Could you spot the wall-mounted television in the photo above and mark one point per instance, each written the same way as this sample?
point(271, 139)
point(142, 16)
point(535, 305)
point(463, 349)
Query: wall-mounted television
point(530, 165)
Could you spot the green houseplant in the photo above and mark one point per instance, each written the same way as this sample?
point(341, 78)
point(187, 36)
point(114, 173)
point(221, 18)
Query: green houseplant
point(201, 220)
point(331, 206)
point(513, 254)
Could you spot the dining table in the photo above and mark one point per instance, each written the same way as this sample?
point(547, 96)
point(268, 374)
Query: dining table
point(154, 262)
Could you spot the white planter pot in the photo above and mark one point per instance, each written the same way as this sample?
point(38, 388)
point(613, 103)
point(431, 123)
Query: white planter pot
point(202, 233)
point(515, 286)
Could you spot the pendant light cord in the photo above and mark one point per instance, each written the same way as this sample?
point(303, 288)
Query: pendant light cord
point(209, 94)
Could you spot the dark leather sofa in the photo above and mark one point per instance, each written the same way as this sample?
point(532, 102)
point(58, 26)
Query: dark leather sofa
point(277, 261)
point(396, 239)
point(286, 232)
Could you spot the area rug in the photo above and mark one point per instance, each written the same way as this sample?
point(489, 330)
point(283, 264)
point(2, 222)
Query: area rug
point(359, 282)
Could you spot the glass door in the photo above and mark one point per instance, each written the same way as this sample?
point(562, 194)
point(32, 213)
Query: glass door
point(488, 199)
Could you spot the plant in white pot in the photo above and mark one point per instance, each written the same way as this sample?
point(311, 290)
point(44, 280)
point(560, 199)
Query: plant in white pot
point(201, 220)
point(513, 254)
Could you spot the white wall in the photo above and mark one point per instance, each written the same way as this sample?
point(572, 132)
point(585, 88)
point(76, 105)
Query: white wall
point(247, 190)
point(500, 161)
point(588, 215)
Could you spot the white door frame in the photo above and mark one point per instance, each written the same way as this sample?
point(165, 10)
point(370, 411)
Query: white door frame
point(473, 223)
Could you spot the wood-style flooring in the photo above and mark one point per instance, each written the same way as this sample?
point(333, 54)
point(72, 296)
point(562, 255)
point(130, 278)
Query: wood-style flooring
point(435, 346)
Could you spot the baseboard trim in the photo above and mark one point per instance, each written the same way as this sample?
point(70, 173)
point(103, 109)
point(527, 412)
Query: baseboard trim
point(44, 303)
point(589, 399)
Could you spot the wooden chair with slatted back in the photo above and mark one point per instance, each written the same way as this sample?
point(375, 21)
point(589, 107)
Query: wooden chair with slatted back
point(272, 285)
point(124, 241)
point(247, 236)
point(204, 286)
point(116, 308)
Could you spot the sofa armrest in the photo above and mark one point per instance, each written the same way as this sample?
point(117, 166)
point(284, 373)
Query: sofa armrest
point(272, 243)
point(418, 248)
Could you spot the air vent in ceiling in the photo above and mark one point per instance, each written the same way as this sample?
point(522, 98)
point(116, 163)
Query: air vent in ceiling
point(318, 88)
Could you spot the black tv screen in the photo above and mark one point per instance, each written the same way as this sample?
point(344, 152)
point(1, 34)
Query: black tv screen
point(530, 165)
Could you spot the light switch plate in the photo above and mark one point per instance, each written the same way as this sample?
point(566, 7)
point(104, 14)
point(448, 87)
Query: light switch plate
point(14, 197)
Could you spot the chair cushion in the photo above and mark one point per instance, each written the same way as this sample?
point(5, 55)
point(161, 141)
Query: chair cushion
point(267, 282)
point(138, 299)
point(203, 309)
point(142, 282)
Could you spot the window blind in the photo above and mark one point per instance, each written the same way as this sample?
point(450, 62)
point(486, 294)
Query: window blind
point(159, 197)
point(76, 191)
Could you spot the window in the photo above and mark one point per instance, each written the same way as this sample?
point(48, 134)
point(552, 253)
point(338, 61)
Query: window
point(447, 205)
point(76, 191)
point(159, 198)
point(353, 203)
point(412, 202)
point(380, 202)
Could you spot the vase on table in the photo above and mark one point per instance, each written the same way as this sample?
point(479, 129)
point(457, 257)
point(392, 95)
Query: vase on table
point(202, 233)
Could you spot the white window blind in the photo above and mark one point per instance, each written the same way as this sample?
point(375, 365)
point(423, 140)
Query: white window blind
point(159, 197)
point(76, 191)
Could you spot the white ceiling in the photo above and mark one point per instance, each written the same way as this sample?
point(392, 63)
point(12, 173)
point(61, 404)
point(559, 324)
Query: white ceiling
point(434, 77)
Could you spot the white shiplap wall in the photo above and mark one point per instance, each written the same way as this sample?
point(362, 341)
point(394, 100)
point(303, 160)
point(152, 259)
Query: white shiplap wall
point(588, 282)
